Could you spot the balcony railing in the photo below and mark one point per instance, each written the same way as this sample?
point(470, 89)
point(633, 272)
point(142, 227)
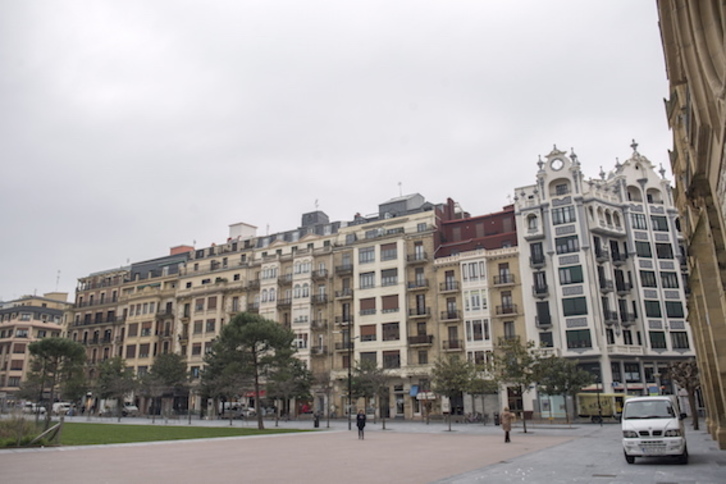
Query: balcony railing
point(344, 269)
point(537, 262)
point(421, 339)
point(420, 284)
point(417, 257)
point(619, 259)
point(451, 315)
point(623, 288)
point(504, 279)
point(344, 346)
point(602, 255)
point(449, 286)
point(319, 299)
point(543, 323)
point(606, 285)
point(319, 324)
point(419, 312)
point(285, 280)
point(610, 317)
point(453, 344)
point(344, 320)
point(319, 350)
point(506, 309)
point(284, 302)
point(540, 290)
point(320, 274)
point(346, 292)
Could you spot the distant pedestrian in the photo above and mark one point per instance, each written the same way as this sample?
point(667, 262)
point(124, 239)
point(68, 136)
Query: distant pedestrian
point(507, 418)
point(360, 422)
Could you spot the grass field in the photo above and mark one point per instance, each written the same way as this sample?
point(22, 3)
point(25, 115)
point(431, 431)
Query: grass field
point(92, 433)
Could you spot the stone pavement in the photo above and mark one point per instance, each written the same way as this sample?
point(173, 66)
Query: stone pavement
point(410, 452)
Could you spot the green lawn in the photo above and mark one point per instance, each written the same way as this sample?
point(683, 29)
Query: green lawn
point(93, 433)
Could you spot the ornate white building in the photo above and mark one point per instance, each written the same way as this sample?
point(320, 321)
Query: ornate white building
point(604, 261)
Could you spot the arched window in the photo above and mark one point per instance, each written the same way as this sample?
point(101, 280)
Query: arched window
point(532, 222)
point(306, 290)
point(616, 219)
point(634, 194)
point(608, 217)
point(272, 294)
point(297, 291)
point(264, 295)
point(653, 195)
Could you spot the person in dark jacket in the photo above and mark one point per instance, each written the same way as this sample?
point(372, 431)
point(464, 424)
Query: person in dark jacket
point(360, 422)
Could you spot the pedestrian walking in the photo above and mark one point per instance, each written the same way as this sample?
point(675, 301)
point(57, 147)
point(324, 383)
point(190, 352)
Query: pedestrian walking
point(507, 418)
point(360, 422)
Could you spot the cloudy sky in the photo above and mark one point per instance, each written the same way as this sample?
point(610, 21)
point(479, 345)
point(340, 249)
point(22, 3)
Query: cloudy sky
point(130, 127)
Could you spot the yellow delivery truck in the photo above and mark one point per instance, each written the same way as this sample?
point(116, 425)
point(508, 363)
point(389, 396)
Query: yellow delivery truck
point(598, 406)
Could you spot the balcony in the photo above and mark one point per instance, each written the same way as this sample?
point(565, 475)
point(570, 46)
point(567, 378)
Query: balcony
point(319, 299)
point(537, 262)
point(506, 310)
point(419, 313)
point(453, 345)
point(421, 340)
point(319, 350)
point(417, 258)
point(253, 284)
point(319, 324)
point(344, 269)
point(284, 302)
point(504, 280)
point(623, 288)
point(610, 317)
point(418, 285)
point(619, 259)
point(543, 323)
point(344, 346)
point(320, 274)
point(606, 285)
point(451, 315)
point(344, 320)
point(540, 291)
point(625, 349)
point(449, 286)
point(344, 293)
point(627, 319)
point(602, 255)
point(253, 307)
point(285, 280)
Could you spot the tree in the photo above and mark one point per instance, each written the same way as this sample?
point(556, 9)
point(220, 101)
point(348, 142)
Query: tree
point(167, 376)
point(560, 376)
point(685, 374)
point(451, 377)
point(288, 378)
point(115, 381)
point(248, 347)
point(515, 364)
point(56, 364)
point(369, 381)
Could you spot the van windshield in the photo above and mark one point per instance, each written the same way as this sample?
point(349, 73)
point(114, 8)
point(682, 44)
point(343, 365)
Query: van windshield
point(645, 410)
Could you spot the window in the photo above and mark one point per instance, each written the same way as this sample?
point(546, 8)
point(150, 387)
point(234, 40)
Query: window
point(660, 223)
point(475, 330)
point(563, 215)
point(368, 306)
point(198, 325)
point(536, 252)
point(679, 340)
point(131, 351)
point(390, 332)
point(669, 280)
point(472, 271)
point(579, 338)
point(212, 302)
point(473, 300)
point(21, 333)
point(196, 349)
point(369, 356)
point(647, 279)
point(509, 332)
point(133, 329)
point(199, 305)
point(610, 335)
point(389, 251)
point(421, 227)
point(389, 304)
point(564, 245)
point(392, 359)
point(423, 357)
point(210, 325)
point(367, 280)
point(657, 340)
point(144, 350)
point(562, 189)
point(543, 313)
point(194, 370)
point(389, 277)
point(632, 372)
point(545, 340)
point(571, 275)
point(574, 306)
point(643, 249)
point(664, 251)
point(674, 309)
point(638, 221)
point(145, 329)
point(627, 337)
point(367, 255)
point(652, 309)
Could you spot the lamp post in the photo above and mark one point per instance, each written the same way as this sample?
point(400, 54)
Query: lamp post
point(350, 381)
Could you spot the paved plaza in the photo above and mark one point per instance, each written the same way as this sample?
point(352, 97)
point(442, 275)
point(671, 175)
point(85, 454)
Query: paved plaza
point(407, 453)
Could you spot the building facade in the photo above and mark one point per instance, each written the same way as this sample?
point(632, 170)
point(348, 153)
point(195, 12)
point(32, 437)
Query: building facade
point(22, 322)
point(695, 56)
point(601, 261)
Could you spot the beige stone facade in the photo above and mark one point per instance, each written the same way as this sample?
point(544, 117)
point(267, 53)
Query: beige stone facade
point(695, 54)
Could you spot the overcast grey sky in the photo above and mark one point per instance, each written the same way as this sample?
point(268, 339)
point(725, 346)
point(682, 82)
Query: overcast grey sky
point(130, 127)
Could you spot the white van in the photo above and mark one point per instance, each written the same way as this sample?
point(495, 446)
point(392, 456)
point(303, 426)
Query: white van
point(653, 426)
point(61, 408)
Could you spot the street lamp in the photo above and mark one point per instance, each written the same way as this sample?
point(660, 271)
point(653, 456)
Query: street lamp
point(347, 336)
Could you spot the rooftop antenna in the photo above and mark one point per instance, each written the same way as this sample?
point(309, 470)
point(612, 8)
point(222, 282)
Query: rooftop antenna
point(316, 204)
point(57, 280)
point(400, 189)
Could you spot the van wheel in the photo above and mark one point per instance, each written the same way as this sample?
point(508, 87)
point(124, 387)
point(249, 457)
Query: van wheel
point(630, 459)
point(683, 458)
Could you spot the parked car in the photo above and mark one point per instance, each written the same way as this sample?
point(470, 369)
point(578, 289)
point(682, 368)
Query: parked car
point(130, 410)
point(244, 412)
point(652, 427)
point(33, 408)
point(61, 408)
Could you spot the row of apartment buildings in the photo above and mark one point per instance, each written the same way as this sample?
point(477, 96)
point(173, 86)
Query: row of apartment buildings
point(588, 269)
